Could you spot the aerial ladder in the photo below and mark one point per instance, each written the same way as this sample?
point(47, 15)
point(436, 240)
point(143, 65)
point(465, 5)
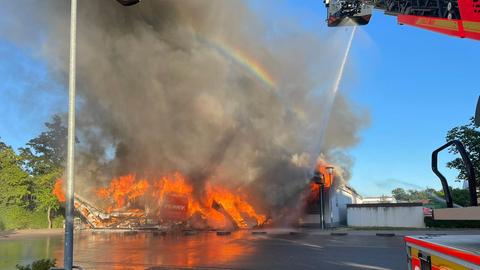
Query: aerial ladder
point(460, 18)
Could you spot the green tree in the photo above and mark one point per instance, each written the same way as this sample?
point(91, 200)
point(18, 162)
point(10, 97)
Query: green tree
point(461, 197)
point(44, 198)
point(44, 158)
point(47, 152)
point(469, 135)
point(419, 195)
point(435, 198)
point(400, 194)
point(14, 180)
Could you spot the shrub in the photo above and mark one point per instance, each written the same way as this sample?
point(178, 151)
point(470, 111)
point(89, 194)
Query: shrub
point(45, 264)
point(57, 222)
point(431, 223)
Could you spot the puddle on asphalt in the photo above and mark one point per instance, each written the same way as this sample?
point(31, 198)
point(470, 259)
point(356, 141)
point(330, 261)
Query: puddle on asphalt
point(102, 250)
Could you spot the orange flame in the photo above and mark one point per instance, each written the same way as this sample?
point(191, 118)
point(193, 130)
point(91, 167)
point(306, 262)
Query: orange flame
point(313, 196)
point(58, 190)
point(123, 189)
point(234, 204)
point(216, 206)
point(322, 168)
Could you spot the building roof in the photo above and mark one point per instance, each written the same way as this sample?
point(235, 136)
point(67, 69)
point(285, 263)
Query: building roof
point(384, 205)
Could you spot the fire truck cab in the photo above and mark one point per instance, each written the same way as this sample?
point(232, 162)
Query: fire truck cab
point(443, 252)
point(448, 252)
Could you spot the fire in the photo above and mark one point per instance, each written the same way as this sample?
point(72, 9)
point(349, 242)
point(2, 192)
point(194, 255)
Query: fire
point(313, 196)
point(123, 190)
point(171, 198)
point(214, 200)
point(58, 190)
point(234, 204)
point(322, 168)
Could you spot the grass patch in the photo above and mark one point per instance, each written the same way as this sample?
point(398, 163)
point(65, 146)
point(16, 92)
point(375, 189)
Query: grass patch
point(15, 218)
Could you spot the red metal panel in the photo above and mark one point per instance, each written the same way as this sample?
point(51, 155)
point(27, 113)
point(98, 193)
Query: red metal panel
point(458, 28)
point(445, 26)
point(415, 264)
point(468, 257)
point(470, 14)
point(174, 207)
point(469, 10)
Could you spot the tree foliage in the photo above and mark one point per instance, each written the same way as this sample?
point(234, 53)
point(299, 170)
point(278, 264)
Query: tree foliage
point(14, 181)
point(400, 194)
point(27, 179)
point(461, 197)
point(432, 197)
point(469, 135)
point(46, 153)
point(44, 159)
point(412, 195)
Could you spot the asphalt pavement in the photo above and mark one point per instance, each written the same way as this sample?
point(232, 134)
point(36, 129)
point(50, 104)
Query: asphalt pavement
point(307, 251)
point(269, 249)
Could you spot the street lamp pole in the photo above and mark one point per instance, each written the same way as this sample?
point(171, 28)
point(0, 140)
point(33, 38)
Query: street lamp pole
point(68, 248)
point(330, 174)
point(322, 207)
point(331, 192)
point(319, 179)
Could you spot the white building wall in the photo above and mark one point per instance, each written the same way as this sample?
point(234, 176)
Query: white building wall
point(336, 200)
point(336, 205)
point(382, 215)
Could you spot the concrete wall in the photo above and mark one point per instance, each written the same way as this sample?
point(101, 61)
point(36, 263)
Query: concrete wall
point(466, 213)
point(381, 199)
point(404, 215)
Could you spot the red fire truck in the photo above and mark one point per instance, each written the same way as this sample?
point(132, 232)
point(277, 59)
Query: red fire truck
point(443, 252)
point(459, 18)
point(448, 252)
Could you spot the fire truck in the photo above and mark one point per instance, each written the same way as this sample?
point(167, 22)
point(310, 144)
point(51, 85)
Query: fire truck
point(459, 18)
point(432, 252)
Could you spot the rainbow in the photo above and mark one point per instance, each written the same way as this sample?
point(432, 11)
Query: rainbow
point(244, 60)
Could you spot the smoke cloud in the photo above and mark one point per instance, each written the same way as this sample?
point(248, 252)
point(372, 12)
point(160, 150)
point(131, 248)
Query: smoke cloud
point(161, 90)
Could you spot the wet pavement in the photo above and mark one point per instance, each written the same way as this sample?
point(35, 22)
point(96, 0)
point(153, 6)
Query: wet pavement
point(207, 250)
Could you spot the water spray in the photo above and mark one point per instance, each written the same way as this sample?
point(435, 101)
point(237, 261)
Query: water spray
point(330, 99)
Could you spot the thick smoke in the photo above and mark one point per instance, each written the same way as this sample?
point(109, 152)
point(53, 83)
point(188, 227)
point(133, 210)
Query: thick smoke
point(159, 93)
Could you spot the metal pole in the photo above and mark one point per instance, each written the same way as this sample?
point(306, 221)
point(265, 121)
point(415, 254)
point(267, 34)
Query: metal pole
point(322, 213)
point(68, 248)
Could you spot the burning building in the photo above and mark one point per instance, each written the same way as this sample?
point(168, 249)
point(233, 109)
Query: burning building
point(202, 88)
point(335, 197)
point(169, 203)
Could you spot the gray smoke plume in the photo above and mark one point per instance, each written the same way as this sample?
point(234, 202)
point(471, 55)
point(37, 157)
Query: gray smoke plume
point(162, 91)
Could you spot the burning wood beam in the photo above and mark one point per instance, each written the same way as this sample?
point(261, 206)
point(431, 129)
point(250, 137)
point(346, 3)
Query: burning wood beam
point(217, 206)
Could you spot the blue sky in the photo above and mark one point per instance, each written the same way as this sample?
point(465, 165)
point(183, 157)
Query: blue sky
point(415, 83)
point(23, 113)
